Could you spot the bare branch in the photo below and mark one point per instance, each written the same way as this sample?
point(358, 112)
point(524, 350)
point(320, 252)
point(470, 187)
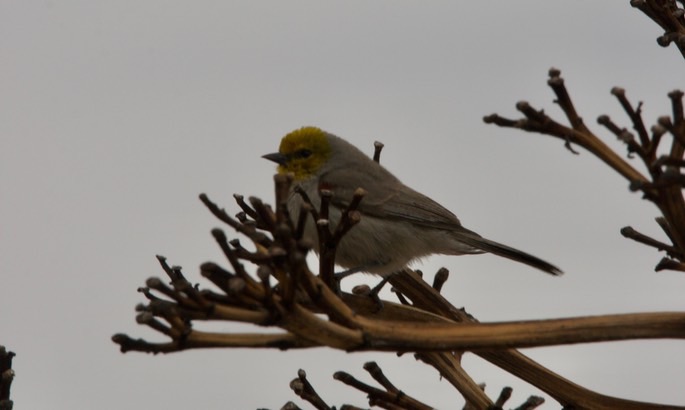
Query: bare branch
point(377, 148)
point(6, 378)
point(305, 390)
point(665, 182)
point(669, 16)
point(384, 398)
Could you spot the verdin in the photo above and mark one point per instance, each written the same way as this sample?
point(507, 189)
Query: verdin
point(398, 225)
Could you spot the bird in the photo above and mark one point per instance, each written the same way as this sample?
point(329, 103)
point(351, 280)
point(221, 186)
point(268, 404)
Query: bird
point(398, 224)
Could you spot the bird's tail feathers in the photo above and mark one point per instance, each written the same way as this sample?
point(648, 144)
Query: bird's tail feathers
point(486, 245)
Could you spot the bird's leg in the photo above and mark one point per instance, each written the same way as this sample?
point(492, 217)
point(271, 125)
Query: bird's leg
point(338, 277)
point(373, 294)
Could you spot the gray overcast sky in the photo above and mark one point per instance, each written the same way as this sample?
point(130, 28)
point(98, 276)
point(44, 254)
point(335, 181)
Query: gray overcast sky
point(114, 116)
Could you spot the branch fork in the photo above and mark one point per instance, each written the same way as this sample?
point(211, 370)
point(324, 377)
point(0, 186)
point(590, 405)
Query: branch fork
point(662, 180)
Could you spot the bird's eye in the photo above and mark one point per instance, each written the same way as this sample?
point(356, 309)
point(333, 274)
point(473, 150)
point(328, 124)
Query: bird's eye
point(304, 153)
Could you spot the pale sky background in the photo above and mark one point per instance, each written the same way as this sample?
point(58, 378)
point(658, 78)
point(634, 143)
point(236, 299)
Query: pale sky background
point(115, 115)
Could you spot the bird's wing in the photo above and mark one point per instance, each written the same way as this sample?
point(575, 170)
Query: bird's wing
point(391, 200)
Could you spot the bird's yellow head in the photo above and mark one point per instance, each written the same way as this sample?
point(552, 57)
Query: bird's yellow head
point(302, 152)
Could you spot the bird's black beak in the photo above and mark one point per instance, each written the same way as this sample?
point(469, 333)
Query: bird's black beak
point(276, 157)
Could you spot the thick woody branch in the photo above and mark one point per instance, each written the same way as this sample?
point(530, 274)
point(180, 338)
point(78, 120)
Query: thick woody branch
point(561, 389)
point(351, 331)
point(473, 336)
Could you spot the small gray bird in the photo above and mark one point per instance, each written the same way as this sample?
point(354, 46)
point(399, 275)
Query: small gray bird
point(398, 224)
